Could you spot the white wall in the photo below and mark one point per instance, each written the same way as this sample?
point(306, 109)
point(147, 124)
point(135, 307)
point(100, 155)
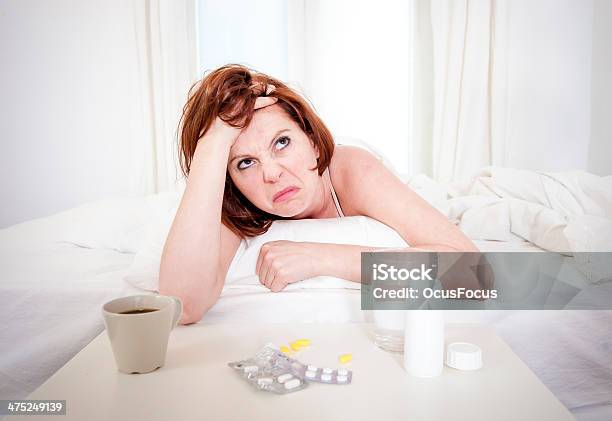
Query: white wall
point(253, 33)
point(359, 71)
point(600, 149)
point(559, 85)
point(68, 105)
point(548, 85)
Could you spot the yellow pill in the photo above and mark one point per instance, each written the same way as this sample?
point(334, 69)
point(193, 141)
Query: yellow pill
point(345, 358)
point(285, 349)
point(295, 346)
point(303, 342)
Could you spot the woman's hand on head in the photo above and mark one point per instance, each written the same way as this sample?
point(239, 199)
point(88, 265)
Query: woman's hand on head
point(264, 101)
point(283, 262)
point(222, 130)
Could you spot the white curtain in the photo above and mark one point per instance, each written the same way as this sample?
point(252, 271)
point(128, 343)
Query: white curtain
point(512, 85)
point(165, 32)
point(462, 43)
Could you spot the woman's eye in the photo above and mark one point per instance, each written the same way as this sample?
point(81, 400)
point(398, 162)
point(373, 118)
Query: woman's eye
point(244, 161)
point(283, 142)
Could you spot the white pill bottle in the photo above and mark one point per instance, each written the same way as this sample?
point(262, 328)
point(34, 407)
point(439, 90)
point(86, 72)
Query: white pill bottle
point(424, 342)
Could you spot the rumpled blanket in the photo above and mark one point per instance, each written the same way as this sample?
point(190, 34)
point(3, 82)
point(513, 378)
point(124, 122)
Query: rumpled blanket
point(562, 212)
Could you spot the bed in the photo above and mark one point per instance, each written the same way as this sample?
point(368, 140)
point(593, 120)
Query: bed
point(57, 271)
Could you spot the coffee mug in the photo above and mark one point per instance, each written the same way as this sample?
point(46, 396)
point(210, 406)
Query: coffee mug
point(138, 327)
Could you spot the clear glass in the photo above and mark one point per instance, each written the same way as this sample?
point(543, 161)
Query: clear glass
point(389, 329)
point(389, 340)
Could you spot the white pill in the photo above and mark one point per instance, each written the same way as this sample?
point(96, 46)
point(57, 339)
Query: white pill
point(312, 368)
point(292, 384)
point(342, 371)
point(327, 370)
point(250, 368)
point(326, 377)
point(264, 380)
point(311, 374)
point(341, 379)
point(284, 377)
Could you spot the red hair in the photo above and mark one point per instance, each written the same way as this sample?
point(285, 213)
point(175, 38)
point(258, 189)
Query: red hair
point(230, 93)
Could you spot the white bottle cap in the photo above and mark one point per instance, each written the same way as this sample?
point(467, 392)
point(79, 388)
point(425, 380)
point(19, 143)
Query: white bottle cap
point(463, 356)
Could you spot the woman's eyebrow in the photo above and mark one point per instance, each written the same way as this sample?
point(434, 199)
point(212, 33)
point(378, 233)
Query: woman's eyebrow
point(271, 142)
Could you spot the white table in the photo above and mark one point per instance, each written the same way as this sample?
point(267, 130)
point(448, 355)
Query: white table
point(197, 384)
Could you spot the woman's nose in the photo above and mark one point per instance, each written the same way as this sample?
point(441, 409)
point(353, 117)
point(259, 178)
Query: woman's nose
point(271, 172)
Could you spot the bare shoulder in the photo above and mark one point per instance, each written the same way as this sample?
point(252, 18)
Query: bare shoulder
point(348, 166)
point(346, 160)
point(365, 186)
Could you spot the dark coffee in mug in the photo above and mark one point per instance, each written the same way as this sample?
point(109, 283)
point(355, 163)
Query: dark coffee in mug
point(139, 311)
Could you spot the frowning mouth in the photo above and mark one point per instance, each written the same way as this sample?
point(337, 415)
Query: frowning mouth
point(285, 194)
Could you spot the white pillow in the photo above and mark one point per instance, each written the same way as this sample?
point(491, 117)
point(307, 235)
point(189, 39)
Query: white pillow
point(118, 223)
point(357, 230)
point(143, 273)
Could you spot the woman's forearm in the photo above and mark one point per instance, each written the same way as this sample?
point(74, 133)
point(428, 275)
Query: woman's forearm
point(190, 260)
point(344, 260)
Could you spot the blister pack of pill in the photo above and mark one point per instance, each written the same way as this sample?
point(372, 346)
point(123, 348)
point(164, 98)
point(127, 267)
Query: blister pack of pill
point(267, 372)
point(308, 372)
point(328, 375)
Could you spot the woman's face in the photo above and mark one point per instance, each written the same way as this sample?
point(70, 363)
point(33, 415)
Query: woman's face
point(273, 155)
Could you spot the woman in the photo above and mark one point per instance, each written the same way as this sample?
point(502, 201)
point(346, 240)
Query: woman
point(254, 151)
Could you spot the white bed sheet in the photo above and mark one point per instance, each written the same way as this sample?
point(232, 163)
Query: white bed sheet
point(51, 294)
point(50, 307)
